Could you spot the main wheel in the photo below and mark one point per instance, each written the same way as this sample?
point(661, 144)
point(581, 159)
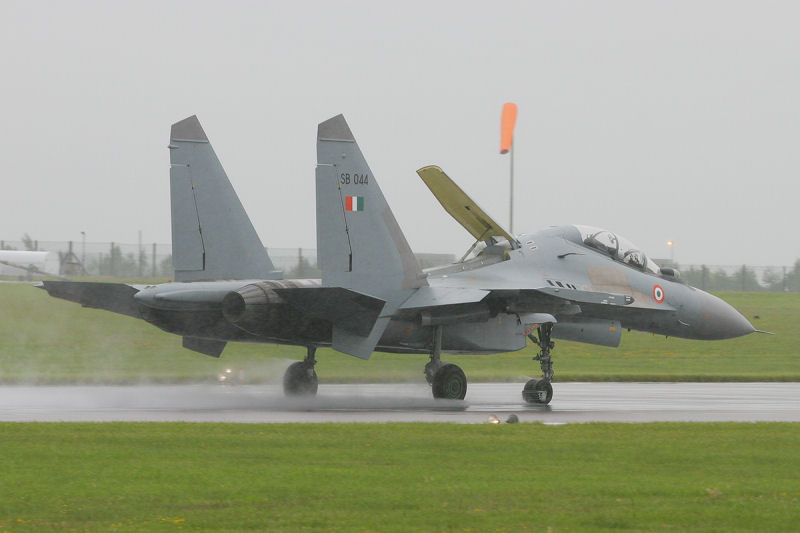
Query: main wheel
point(450, 383)
point(300, 379)
point(538, 391)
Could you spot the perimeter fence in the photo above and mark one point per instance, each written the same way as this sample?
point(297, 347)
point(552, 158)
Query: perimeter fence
point(742, 277)
point(154, 260)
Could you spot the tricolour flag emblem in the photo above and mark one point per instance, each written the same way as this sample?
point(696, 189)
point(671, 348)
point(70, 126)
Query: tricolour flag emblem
point(354, 203)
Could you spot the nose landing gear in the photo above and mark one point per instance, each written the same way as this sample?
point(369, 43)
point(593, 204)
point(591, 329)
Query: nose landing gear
point(540, 390)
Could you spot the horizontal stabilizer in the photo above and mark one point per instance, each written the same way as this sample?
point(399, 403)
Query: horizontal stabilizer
point(115, 297)
point(438, 296)
point(209, 347)
point(347, 310)
point(460, 206)
point(360, 346)
point(356, 320)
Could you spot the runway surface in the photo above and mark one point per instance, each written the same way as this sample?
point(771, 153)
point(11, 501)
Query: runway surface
point(572, 402)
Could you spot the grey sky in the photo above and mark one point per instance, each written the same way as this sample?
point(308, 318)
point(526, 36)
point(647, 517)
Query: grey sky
point(657, 120)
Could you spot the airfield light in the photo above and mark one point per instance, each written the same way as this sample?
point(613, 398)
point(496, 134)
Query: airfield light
point(508, 120)
point(223, 378)
point(493, 419)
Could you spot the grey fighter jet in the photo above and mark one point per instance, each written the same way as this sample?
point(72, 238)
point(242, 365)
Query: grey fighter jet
point(569, 282)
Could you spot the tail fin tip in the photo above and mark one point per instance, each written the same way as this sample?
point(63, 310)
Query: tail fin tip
point(188, 129)
point(335, 128)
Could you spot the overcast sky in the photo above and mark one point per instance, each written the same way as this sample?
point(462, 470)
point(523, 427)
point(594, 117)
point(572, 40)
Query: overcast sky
point(658, 120)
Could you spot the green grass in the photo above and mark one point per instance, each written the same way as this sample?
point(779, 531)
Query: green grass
point(44, 339)
point(399, 477)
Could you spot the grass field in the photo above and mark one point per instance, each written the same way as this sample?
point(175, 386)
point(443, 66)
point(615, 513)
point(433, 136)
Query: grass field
point(43, 339)
point(399, 477)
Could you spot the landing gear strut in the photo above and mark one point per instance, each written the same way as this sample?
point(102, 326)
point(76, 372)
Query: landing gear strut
point(446, 379)
point(540, 391)
point(300, 378)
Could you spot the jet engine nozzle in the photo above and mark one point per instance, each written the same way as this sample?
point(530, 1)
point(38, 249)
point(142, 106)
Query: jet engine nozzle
point(259, 309)
point(250, 305)
point(233, 307)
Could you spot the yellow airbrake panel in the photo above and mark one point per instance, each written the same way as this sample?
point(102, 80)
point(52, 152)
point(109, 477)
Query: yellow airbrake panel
point(460, 206)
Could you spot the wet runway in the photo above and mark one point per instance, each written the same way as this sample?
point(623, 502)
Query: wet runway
point(572, 402)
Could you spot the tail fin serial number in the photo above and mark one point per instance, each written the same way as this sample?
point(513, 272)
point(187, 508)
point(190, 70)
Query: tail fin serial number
point(355, 179)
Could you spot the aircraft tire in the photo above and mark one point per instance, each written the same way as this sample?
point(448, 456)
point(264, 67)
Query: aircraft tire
point(533, 389)
point(300, 380)
point(449, 383)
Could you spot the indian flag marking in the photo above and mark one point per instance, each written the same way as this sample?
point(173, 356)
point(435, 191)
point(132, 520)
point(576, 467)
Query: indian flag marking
point(354, 203)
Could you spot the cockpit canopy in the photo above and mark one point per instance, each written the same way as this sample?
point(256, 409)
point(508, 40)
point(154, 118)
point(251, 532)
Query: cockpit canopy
point(616, 247)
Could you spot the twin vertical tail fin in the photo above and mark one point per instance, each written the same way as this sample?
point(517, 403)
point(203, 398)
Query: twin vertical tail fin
point(212, 236)
point(360, 246)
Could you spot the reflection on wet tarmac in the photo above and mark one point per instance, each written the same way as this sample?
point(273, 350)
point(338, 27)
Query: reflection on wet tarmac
point(572, 402)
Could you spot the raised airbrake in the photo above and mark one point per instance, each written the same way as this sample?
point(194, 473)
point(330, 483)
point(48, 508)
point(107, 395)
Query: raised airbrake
point(570, 282)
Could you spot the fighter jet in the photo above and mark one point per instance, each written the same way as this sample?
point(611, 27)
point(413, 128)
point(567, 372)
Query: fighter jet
point(567, 282)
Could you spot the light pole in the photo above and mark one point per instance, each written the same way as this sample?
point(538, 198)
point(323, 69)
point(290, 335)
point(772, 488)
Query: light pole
point(671, 253)
point(83, 252)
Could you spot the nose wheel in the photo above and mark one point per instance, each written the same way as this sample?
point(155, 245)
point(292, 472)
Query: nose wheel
point(300, 378)
point(539, 391)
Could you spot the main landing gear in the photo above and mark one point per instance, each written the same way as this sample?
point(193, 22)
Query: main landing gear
point(300, 378)
point(446, 379)
point(540, 391)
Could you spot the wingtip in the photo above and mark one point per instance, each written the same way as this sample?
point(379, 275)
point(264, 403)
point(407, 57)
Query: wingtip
point(335, 128)
point(188, 129)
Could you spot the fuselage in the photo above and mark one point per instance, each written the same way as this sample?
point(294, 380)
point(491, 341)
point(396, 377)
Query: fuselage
point(550, 272)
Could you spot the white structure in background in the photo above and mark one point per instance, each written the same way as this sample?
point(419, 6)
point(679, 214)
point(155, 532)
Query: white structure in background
point(25, 263)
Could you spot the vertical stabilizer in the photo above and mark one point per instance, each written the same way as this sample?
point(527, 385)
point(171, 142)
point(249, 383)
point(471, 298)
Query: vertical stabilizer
point(212, 236)
point(359, 244)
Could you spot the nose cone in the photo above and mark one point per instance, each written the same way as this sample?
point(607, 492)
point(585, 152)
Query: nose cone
point(718, 320)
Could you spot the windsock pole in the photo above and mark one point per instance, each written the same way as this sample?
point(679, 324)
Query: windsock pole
point(507, 121)
point(511, 190)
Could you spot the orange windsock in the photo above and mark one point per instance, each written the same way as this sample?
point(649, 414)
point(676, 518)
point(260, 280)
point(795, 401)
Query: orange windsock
point(507, 122)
